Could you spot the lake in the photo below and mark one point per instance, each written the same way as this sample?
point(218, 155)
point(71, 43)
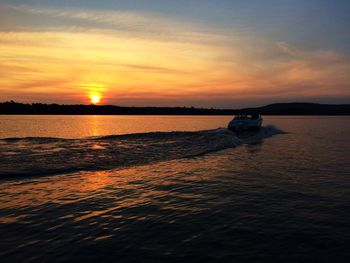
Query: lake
point(173, 188)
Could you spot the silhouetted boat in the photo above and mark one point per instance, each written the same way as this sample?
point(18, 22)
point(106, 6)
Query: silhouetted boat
point(243, 122)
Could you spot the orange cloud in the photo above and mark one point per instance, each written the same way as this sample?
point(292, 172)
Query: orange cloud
point(184, 66)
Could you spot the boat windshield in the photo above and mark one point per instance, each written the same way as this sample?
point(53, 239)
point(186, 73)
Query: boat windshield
point(247, 117)
point(241, 117)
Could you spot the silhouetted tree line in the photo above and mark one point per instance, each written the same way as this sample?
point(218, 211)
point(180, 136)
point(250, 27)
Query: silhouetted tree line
point(40, 108)
point(272, 109)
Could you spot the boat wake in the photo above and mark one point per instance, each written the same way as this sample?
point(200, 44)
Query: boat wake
point(44, 156)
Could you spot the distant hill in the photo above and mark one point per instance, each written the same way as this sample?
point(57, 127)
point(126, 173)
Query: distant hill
point(298, 108)
point(272, 109)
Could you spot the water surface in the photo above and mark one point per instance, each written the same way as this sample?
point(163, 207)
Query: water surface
point(192, 196)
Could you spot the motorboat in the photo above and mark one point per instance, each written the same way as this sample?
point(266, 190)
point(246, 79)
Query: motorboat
point(243, 122)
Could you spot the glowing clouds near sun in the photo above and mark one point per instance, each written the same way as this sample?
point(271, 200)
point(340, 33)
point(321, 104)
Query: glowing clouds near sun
point(144, 60)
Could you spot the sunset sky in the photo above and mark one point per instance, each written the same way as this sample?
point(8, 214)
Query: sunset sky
point(221, 53)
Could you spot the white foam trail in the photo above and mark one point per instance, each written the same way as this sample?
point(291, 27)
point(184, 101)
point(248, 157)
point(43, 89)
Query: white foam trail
point(41, 156)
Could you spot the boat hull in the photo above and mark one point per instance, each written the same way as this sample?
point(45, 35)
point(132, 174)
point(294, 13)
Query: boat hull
point(245, 125)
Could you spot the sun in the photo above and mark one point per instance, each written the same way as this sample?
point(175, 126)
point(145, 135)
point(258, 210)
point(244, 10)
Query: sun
point(95, 99)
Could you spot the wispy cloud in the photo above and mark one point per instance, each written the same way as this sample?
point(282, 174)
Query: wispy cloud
point(134, 23)
point(146, 57)
point(116, 18)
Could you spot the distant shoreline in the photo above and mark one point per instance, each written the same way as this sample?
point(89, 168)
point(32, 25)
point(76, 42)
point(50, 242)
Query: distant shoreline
point(278, 109)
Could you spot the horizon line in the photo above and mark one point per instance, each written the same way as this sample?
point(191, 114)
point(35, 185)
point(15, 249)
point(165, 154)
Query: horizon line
point(188, 107)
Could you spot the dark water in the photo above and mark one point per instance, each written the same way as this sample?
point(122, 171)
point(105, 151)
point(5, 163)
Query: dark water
point(180, 196)
point(43, 156)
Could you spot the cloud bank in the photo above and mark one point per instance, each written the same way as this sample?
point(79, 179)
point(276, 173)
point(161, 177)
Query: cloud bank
point(133, 58)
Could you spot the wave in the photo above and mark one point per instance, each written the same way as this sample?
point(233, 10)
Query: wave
point(44, 156)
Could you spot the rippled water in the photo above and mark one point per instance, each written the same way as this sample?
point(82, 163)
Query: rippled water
point(43, 156)
point(80, 126)
point(179, 196)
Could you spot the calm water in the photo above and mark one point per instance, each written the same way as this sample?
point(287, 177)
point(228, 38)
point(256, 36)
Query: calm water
point(180, 190)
